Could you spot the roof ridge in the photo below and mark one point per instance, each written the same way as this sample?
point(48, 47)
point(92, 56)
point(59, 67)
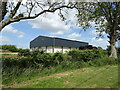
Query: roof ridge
point(61, 38)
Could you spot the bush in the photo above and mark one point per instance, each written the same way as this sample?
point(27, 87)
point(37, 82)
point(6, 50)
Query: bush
point(25, 62)
point(9, 62)
point(44, 59)
point(75, 54)
point(41, 59)
point(86, 55)
point(58, 58)
point(24, 52)
point(35, 53)
point(105, 61)
point(48, 59)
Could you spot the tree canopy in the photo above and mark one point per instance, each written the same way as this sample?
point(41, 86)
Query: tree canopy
point(13, 11)
point(106, 16)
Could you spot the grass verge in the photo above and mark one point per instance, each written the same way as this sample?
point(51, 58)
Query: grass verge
point(92, 77)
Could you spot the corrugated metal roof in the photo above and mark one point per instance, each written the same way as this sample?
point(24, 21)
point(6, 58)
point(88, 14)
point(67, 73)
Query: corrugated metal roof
point(54, 41)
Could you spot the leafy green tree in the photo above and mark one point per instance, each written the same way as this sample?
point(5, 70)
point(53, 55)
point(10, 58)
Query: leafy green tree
point(11, 48)
point(99, 47)
point(106, 16)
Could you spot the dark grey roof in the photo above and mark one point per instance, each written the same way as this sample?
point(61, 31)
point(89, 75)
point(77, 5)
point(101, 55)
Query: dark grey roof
point(54, 41)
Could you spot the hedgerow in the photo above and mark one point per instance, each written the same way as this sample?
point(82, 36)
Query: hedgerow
point(39, 59)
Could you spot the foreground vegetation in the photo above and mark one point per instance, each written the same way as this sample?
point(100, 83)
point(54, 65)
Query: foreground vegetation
point(29, 67)
point(92, 77)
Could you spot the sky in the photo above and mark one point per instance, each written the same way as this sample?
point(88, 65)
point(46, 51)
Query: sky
point(49, 24)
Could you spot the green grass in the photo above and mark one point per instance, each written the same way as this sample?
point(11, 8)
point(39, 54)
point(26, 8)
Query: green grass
point(92, 77)
point(9, 53)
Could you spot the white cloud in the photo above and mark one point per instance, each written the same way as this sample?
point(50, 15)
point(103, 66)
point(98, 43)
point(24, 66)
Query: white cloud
point(92, 24)
point(20, 36)
point(74, 35)
point(81, 40)
point(11, 29)
point(96, 33)
point(4, 39)
point(52, 36)
point(97, 39)
point(57, 33)
point(52, 23)
point(102, 42)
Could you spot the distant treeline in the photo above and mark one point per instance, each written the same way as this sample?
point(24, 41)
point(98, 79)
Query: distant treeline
point(11, 48)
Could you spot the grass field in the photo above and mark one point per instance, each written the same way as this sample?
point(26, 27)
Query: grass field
point(9, 53)
point(92, 77)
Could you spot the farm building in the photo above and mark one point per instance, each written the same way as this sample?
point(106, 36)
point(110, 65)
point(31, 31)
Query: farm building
point(54, 44)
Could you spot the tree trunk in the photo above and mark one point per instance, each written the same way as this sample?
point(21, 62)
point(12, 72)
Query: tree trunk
point(113, 51)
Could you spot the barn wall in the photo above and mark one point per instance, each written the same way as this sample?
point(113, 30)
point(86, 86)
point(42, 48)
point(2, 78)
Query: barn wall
point(57, 49)
point(51, 49)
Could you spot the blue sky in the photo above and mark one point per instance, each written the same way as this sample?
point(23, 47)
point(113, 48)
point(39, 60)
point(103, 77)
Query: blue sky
point(21, 33)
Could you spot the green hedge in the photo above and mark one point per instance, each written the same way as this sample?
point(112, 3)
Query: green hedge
point(39, 59)
point(25, 62)
point(87, 55)
point(24, 52)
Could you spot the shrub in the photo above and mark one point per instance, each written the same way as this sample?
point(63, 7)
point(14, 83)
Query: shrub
point(84, 64)
point(75, 54)
point(86, 55)
point(25, 62)
point(45, 59)
point(104, 61)
point(9, 62)
point(24, 52)
point(58, 58)
point(35, 53)
point(48, 59)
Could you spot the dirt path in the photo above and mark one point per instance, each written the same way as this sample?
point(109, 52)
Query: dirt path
point(24, 83)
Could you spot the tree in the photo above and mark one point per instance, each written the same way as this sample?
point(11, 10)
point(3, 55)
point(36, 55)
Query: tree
point(14, 11)
point(11, 48)
point(106, 16)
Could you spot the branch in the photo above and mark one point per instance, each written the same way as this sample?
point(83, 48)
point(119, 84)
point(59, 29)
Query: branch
point(15, 9)
point(22, 17)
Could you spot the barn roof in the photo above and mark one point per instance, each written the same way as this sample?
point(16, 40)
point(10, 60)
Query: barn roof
point(41, 41)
